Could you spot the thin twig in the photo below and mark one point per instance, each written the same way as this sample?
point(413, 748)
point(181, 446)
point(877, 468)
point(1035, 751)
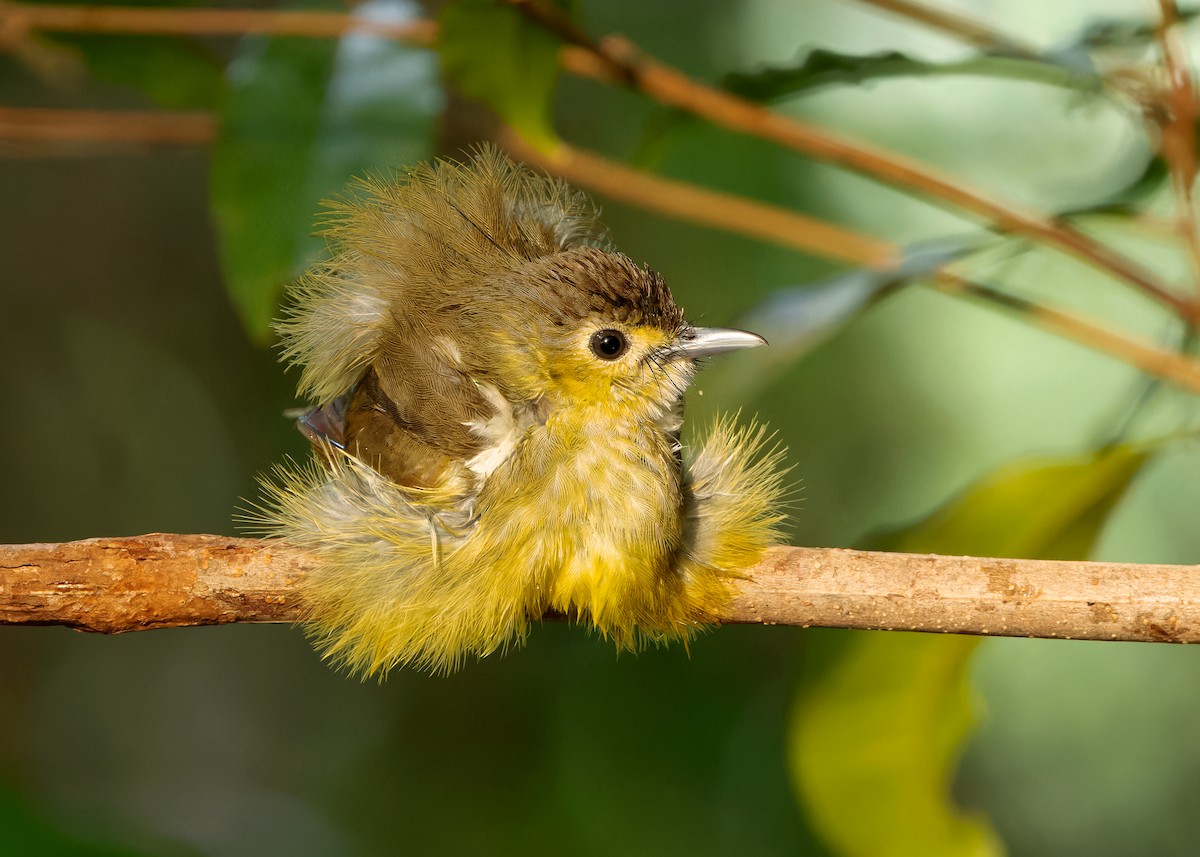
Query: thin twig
point(615, 59)
point(29, 17)
point(159, 581)
point(79, 127)
point(696, 204)
point(672, 198)
point(674, 89)
point(1151, 359)
point(1178, 129)
point(964, 29)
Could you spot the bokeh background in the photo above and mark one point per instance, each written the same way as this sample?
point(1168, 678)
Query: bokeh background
point(137, 399)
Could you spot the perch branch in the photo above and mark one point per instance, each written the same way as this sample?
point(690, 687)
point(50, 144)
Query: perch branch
point(158, 581)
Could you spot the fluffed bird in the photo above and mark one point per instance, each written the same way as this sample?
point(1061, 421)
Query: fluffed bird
point(498, 399)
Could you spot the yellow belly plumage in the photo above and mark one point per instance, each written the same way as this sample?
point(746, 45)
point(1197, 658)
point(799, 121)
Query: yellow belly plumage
point(634, 547)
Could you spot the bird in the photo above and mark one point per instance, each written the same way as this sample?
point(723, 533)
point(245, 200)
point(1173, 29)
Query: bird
point(496, 401)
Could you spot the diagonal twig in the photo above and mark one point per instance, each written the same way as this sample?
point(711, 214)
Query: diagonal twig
point(1151, 359)
point(1178, 130)
point(686, 201)
point(964, 29)
point(616, 60)
point(674, 89)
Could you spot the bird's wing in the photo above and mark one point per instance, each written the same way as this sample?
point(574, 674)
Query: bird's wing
point(399, 424)
point(380, 331)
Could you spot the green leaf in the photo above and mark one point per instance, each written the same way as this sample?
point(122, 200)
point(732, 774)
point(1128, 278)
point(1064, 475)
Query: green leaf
point(822, 68)
point(174, 73)
point(497, 55)
point(873, 746)
point(797, 319)
point(1131, 198)
point(1048, 508)
point(1127, 32)
point(875, 737)
point(303, 117)
point(180, 73)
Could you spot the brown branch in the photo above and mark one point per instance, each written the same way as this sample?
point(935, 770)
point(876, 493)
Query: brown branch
point(1165, 364)
point(87, 127)
point(964, 29)
point(16, 18)
point(616, 60)
point(1178, 130)
point(159, 581)
point(672, 88)
point(154, 581)
point(696, 204)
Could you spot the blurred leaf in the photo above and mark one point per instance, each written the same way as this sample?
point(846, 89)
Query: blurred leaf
point(30, 836)
point(1129, 199)
point(175, 72)
point(874, 743)
point(797, 319)
point(302, 118)
point(876, 737)
point(499, 56)
point(822, 68)
point(260, 194)
point(1125, 32)
point(1052, 508)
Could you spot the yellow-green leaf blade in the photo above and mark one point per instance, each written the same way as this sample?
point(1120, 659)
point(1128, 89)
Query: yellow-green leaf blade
point(875, 738)
point(1046, 508)
point(874, 743)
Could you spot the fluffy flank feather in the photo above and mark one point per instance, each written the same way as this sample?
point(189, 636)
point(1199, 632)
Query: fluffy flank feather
point(394, 586)
point(331, 330)
point(736, 487)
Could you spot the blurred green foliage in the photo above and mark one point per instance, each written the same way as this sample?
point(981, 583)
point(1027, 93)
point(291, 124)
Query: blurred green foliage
point(497, 55)
point(875, 739)
point(138, 402)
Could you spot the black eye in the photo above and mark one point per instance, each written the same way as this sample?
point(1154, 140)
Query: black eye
point(608, 344)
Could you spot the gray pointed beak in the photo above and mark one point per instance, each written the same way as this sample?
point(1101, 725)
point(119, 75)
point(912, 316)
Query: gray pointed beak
point(699, 342)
